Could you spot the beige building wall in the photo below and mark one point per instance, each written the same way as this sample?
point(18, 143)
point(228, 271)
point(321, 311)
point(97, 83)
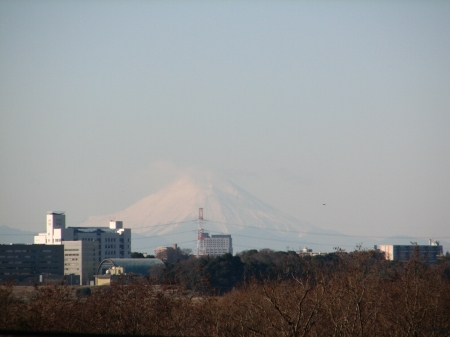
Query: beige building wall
point(81, 258)
point(388, 251)
point(102, 280)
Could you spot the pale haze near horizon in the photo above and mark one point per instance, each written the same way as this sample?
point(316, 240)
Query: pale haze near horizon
point(300, 103)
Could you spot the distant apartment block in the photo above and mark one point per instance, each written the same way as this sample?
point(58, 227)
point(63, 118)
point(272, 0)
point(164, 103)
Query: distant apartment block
point(309, 252)
point(405, 252)
point(113, 241)
point(217, 244)
point(165, 253)
point(21, 261)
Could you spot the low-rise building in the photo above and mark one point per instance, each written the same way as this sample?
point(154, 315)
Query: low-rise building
point(110, 269)
point(27, 262)
point(309, 252)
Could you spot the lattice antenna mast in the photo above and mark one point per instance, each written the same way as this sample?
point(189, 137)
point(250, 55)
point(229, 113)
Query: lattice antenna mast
point(200, 234)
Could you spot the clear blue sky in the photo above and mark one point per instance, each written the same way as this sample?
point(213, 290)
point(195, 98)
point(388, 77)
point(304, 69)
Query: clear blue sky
point(300, 102)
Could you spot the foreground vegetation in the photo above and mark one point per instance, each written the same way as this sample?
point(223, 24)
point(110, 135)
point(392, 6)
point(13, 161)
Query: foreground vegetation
point(272, 294)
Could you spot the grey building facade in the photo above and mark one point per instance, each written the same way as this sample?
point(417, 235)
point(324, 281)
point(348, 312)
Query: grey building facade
point(219, 244)
point(80, 258)
point(22, 261)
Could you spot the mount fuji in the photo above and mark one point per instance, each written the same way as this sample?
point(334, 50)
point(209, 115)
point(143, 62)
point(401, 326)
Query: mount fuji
point(171, 216)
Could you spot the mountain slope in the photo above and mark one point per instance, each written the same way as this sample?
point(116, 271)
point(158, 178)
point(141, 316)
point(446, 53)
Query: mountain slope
point(13, 235)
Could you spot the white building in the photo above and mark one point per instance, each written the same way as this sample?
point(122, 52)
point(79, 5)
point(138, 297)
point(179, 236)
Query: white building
point(56, 225)
point(113, 241)
point(218, 244)
point(309, 252)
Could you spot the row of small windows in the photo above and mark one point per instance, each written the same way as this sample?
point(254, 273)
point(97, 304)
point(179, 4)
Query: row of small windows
point(26, 256)
point(27, 262)
point(29, 251)
point(13, 271)
point(53, 240)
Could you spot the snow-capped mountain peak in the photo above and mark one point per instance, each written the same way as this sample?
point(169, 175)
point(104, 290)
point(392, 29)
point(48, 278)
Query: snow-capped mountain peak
point(227, 208)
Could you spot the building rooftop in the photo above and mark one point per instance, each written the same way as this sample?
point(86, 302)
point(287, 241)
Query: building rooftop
point(94, 229)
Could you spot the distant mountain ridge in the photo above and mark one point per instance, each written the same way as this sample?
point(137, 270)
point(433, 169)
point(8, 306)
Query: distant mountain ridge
point(170, 216)
point(13, 235)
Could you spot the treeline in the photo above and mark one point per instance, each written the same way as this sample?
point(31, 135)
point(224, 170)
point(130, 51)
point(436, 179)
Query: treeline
point(270, 294)
point(221, 274)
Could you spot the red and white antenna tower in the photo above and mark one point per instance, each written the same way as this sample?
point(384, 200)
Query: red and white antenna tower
point(201, 251)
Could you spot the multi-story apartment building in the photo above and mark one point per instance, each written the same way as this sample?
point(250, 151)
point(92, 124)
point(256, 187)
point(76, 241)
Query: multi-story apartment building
point(218, 244)
point(113, 241)
point(81, 258)
point(406, 252)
